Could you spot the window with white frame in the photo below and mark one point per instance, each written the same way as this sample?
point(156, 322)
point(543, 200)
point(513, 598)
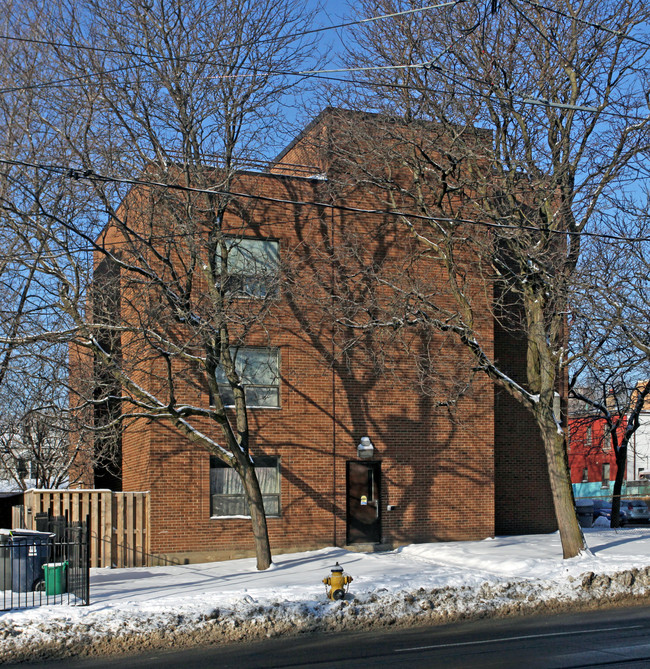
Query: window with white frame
point(257, 368)
point(252, 266)
point(605, 478)
point(227, 497)
point(607, 439)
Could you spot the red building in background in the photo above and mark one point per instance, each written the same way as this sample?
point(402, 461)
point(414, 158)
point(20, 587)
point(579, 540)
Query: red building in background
point(592, 458)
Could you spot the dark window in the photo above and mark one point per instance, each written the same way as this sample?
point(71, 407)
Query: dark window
point(22, 468)
point(258, 370)
point(252, 266)
point(227, 492)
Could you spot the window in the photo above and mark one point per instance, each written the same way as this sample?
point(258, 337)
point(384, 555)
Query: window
point(605, 479)
point(258, 370)
point(26, 468)
point(22, 467)
point(585, 475)
point(607, 439)
point(227, 492)
point(252, 266)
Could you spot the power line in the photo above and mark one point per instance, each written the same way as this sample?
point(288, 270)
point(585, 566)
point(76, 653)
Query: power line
point(471, 91)
point(536, 101)
point(540, 102)
point(52, 255)
point(190, 58)
point(524, 98)
point(316, 74)
point(78, 174)
point(301, 33)
point(415, 87)
point(517, 95)
point(592, 24)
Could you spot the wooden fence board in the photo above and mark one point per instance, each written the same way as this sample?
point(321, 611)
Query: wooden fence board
point(129, 527)
point(107, 531)
point(95, 552)
point(118, 521)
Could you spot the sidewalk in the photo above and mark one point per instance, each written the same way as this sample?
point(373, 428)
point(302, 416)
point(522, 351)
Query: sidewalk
point(417, 584)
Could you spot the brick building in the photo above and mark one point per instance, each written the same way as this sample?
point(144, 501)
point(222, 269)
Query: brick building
point(592, 459)
point(354, 433)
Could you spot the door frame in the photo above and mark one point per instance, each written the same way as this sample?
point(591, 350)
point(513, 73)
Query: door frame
point(373, 466)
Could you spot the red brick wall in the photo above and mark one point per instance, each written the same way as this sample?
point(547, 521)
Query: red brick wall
point(437, 461)
point(590, 448)
point(459, 469)
point(523, 501)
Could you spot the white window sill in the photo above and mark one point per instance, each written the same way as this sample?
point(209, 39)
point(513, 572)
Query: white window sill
point(237, 517)
point(253, 406)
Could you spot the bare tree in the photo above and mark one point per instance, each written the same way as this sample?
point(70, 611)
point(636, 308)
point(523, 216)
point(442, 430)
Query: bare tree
point(511, 123)
point(36, 425)
point(34, 422)
point(152, 110)
point(610, 337)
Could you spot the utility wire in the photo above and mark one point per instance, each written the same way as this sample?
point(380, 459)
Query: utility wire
point(301, 33)
point(429, 66)
point(425, 65)
point(519, 96)
point(318, 73)
point(598, 26)
point(78, 174)
point(191, 57)
point(80, 248)
point(455, 79)
point(541, 102)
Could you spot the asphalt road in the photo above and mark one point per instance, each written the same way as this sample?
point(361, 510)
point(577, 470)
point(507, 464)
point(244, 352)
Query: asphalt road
point(614, 638)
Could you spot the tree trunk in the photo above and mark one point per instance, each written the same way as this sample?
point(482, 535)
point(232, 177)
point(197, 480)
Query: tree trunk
point(542, 368)
point(258, 517)
point(621, 463)
point(573, 541)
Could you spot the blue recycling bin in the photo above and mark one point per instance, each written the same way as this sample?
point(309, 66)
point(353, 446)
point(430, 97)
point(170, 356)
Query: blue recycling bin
point(29, 552)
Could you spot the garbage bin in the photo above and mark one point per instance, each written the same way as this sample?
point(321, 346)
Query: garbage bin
point(29, 552)
point(585, 511)
point(5, 560)
point(55, 578)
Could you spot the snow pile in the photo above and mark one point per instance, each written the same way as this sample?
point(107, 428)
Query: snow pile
point(135, 609)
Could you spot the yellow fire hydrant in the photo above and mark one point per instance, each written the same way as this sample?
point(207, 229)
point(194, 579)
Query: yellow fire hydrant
point(338, 582)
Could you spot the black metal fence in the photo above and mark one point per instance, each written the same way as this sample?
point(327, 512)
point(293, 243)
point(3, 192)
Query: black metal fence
point(47, 566)
point(130, 556)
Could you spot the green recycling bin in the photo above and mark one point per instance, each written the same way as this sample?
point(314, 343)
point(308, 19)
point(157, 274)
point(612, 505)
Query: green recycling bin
point(55, 578)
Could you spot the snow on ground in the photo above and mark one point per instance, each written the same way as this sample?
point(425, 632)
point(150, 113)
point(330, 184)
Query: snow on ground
point(422, 583)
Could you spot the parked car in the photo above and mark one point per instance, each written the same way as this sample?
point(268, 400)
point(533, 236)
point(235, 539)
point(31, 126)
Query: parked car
point(585, 511)
point(636, 510)
point(603, 509)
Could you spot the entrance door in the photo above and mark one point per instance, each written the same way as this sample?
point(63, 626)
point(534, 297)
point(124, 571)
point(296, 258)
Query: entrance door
point(363, 521)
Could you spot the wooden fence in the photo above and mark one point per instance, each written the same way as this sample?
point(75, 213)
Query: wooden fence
point(118, 522)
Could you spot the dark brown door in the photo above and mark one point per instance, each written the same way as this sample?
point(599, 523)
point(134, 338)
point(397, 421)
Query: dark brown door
point(363, 521)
